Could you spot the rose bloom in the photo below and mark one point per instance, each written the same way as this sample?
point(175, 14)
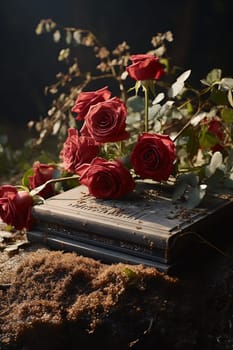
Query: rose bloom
point(106, 121)
point(15, 207)
point(145, 67)
point(106, 179)
point(215, 127)
point(78, 150)
point(87, 99)
point(42, 173)
point(152, 157)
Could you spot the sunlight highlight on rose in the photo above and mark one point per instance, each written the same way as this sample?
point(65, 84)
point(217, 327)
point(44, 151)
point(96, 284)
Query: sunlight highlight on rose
point(15, 207)
point(145, 67)
point(106, 121)
point(88, 98)
point(77, 150)
point(106, 179)
point(41, 174)
point(153, 156)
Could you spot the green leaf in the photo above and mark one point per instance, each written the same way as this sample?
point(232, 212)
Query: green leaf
point(179, 190)
point(158, 98)
point(207, 139)
point(188, 190)
point(133, 118)
point(189, 107)
point(183, 183)
point(164, 61)
point(218, 97)
point(192, 142)
point(214, 76)
point(190, 179)
point(175, 89)
point(230, 98)
point(178, 85)
point(153, 111)
point(227, 83)
point(216, 162)
point(198, 118)
point(184, 76)
point(227, 115)
point(25, 178)
point(195, 196)
point(136, 103)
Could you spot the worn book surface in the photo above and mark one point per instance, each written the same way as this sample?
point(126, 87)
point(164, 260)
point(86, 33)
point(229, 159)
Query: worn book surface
point(144, 227)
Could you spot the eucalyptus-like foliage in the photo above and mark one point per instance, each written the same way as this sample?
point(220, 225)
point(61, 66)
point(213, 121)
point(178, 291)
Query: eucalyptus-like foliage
point(198, 120)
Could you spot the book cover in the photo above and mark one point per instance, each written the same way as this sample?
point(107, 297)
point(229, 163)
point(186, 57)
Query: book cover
point(144, 227)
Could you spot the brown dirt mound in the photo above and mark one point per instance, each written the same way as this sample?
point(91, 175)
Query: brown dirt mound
point(64, 301)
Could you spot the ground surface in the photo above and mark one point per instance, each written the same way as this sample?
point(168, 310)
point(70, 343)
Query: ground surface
point(58, 301)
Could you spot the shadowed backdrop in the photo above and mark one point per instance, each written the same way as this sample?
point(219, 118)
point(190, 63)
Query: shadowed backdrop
point(202, 41)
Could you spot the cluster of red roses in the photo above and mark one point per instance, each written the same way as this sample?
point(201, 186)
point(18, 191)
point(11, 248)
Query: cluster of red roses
point(104, 121)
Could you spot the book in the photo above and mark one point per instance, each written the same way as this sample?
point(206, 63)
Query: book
point(145, 227)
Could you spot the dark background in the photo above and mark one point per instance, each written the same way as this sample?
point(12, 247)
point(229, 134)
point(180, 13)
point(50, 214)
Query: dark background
point(203, 40)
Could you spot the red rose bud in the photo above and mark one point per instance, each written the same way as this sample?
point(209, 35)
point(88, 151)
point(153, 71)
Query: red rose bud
point(153, 156)
point(106, 121)
point(145, 67)
point(86, 99)
point(106, 179)
point(15, 207)
point(42, 173)
point(78, 150)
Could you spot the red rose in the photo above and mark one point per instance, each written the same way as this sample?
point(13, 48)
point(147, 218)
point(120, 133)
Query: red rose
point(87, 99)
point(106, 121)
point(215, 127)
point(106, 179)
point(145, 67)
point(153, 156)
point(42, 173)
point(78, 150)
point(15, 207)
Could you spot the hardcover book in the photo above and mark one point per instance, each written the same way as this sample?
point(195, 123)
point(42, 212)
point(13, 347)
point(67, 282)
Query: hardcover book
point(145, 227)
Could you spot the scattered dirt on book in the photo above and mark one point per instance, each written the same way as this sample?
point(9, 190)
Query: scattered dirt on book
point(57, 301)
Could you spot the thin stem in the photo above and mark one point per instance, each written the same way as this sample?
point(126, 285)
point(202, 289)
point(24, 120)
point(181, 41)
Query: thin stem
point(60, 179)
point(121, 148)
point(204, 91)
point(146, 118)
point(185, 126)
